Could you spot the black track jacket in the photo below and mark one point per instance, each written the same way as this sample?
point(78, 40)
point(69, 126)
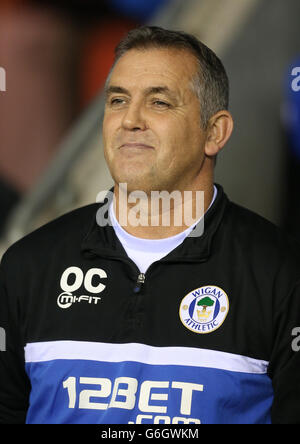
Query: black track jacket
point(207, 335)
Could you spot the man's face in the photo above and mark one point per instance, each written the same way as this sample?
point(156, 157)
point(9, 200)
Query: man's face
point(151, 130)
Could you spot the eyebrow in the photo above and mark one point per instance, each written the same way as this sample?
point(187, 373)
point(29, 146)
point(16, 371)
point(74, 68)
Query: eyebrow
point(115, 90)
point(148, 91)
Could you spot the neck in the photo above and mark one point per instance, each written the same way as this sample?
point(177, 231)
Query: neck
point(157, 215)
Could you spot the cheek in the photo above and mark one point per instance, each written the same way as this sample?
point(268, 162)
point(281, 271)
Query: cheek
point(105, 127)
point(170, 131)
point(109, 126)
point(186, 144)
point(176, 137)
point(107, 139)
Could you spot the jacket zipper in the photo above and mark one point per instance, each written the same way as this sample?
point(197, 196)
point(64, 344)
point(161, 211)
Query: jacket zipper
point(141, 276)
point(139, 283)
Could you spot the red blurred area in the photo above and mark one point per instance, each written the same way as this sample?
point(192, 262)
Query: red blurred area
point(55, 63)
point(98, 55)
point(38, 50)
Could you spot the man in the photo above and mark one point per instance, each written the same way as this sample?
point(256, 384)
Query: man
point(112, 321)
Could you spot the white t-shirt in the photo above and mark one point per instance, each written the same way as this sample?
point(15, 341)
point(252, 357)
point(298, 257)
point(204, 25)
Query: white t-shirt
point(146, 251)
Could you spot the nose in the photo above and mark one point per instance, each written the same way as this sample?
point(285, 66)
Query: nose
point(134, 118)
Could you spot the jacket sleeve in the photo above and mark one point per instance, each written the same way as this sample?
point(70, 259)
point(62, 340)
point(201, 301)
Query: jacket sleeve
point(284, 364)
point(14, 383)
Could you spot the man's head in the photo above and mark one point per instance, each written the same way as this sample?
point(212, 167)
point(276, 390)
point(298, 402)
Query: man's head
point(166, 112)
point(210, 82)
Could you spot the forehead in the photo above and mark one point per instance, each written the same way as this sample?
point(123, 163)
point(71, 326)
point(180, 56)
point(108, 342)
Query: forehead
point(173, 67)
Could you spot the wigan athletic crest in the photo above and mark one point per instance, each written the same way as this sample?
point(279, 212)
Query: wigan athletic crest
point(204, 309)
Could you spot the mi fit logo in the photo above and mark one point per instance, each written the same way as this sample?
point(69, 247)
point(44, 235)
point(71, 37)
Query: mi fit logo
point(2, 79)
point(73, 279)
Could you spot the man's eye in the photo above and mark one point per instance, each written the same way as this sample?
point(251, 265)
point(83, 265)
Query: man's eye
point(117, 101)
point(161, 103)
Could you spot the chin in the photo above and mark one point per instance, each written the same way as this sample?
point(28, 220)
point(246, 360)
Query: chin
point(134, 178)
point(135, 184)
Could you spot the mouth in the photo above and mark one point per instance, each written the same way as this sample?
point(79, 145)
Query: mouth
point(136, 145)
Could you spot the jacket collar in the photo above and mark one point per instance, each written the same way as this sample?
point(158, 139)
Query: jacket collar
point(102, 240)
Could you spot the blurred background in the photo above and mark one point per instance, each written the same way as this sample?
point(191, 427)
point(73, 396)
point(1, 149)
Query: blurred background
point(54, 59)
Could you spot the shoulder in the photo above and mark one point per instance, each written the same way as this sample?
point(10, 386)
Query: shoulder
point(248, 222)
point(68, 229)
point(244, 219)
point(261, 239)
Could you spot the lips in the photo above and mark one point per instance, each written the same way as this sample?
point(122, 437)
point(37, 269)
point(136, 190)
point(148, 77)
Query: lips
point(138, 145)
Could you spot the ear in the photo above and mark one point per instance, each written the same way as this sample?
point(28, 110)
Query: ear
point(219, 130)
